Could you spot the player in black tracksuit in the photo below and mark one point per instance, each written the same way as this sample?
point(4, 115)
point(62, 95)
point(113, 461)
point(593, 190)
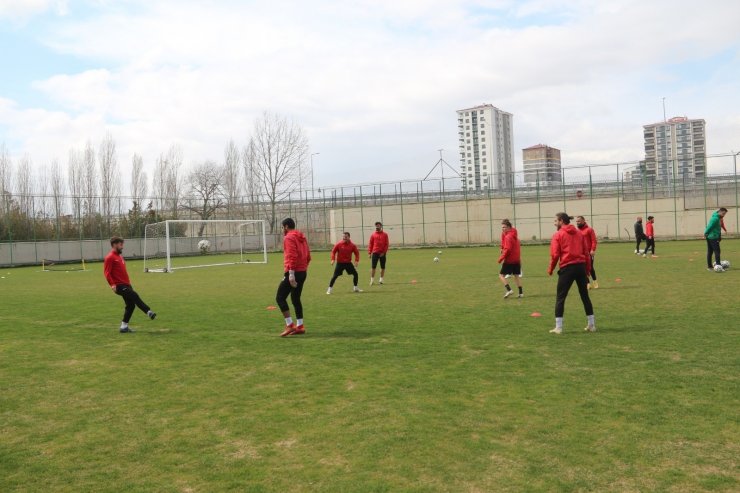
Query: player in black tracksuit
point(639, 235)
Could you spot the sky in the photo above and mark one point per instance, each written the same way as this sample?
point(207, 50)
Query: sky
point(375, 84)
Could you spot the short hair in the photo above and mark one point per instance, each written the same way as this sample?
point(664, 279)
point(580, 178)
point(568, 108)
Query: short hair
point(115, 239)
point(346, 233)
point(650, 217)
point(506, 222)
point(722, 209)
point(563, 216)
point(289, 222)
point(378, 223)
point(580, 217)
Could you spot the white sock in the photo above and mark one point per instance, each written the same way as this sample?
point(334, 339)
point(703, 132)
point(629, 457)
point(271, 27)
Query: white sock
point(288, 320)
point(381, 279)
point(299, 321)
point(124, 325)
point(591, 320)
point(558, 322)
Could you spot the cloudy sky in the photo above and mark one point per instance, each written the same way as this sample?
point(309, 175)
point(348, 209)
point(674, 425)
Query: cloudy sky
point(375, 83)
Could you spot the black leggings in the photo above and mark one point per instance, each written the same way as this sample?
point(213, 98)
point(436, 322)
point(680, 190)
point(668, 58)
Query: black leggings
point(132, 300)
point(566, 276)
point(593, 271)
point(712, 248)
point(341, 268)
point(639, 240)
point(650, 245)
point(285, 289)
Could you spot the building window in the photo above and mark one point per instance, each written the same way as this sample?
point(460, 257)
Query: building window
point(468, 146)
point(484, 160)
point(484, 153)
point(468, 156)
point(480, 112)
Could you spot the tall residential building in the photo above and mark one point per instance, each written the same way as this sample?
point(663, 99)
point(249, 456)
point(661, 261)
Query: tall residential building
point(542, 165)
point(676, 148)
point(486, 147)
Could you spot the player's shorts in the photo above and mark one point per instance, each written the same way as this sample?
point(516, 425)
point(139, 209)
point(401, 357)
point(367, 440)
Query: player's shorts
point(348, 267)
point(376, 257)
point(511, 269)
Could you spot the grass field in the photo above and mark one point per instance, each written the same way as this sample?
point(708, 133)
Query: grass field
point(437, 385)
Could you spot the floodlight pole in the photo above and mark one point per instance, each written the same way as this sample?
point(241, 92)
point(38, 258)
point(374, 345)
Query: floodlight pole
point(734, 174)
point(312, 155)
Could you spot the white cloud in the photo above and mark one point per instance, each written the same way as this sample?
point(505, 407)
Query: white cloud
point(376, 83)
point(22, 10)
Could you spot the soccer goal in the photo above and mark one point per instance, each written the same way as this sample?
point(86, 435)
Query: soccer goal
point(185, 244)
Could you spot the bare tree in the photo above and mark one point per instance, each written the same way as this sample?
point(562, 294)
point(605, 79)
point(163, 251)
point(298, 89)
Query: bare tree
point(6, 176)
point(277, 150)
point(89, 180)
point(139, 187)
point(76, 181)
point(206, 184)
point(24, 186)
point(251, 180)
point(168, 180)
point(57, 190)
point(233, 179)
point(110, 180)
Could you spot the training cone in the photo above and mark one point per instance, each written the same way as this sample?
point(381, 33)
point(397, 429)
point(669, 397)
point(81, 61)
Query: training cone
point(271, 307)
point(413, 281)
point(536, 314)
point(618, 279)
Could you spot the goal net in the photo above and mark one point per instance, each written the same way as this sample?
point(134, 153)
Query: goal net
point(183, 244)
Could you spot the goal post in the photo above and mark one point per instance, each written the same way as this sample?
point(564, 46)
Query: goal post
point(185, 244)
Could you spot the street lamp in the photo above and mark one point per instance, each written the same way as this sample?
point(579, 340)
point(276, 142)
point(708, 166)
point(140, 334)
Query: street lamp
point(734, 175)
point(312, 155)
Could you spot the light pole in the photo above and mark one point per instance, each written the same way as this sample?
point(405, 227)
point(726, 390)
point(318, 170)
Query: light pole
point(734, 175)
point(312, 155)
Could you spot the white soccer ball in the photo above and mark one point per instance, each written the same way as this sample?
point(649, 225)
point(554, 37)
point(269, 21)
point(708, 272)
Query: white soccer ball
point(718, 268)
point(204, 246)
point(439, 252)
point(436, 259)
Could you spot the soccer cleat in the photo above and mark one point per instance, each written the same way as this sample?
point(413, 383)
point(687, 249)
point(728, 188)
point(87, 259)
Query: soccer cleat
point(590, 328)
point(637, 252)
point(556, 330)
point(299, 331)
point(289, 330)
point(356, 290)
point(126, 330)
point(521, 295)
point(644, 255)
point(328, 291)
point(380, 281)
point(372, 281)
point(508, 293)
point(151, 315)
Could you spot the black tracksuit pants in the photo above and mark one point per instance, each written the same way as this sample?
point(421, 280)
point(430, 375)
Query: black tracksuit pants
point(566, 277)
point(285, 289)
point(132, 300)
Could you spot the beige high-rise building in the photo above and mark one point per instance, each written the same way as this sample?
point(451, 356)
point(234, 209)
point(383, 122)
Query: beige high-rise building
point(542, 165)
point(676, 148)
point(485, 135)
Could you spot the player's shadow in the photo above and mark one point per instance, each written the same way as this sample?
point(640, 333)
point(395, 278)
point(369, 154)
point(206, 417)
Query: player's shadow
point(158, 332)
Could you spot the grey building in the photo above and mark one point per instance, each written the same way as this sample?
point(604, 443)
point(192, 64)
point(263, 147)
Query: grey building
point(485, 135)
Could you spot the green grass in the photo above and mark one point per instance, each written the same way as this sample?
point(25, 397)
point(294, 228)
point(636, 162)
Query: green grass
point(438, 385)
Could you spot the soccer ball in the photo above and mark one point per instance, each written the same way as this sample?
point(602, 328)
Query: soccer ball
point(718, 268)
point(725, 264)
point(436, 259)
point(204, 246)
point(439, 252)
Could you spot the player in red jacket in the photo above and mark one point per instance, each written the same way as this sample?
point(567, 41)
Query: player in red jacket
point(342, 253)
point(568, 247)
point(296, 257)
point(590, 235)
point(650, 233)
point(377, 247)
point(511, 258)
point(114, 270)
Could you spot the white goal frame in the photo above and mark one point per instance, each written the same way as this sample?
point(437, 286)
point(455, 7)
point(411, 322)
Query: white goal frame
point(195, 222)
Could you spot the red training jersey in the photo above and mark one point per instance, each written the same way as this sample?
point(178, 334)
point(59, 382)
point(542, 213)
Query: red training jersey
point(296, 254)
point(649, 230)
point(568, 247)
point(378, 243)
point(590, 235)
point(343, 251)
point(510, 248)
point(114, 269)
